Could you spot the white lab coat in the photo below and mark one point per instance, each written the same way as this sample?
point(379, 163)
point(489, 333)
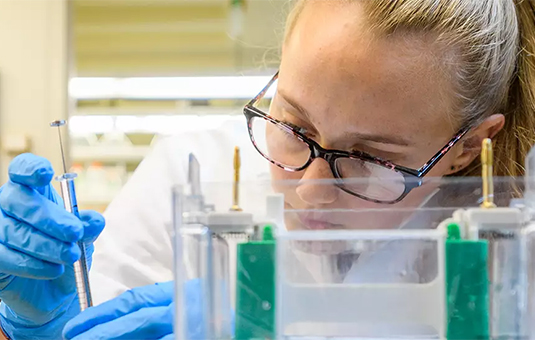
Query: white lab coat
point(135, 248)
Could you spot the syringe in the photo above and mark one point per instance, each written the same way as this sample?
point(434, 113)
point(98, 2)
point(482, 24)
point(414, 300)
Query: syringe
point(68, 192)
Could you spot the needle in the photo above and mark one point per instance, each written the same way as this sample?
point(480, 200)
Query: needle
point(59, 124)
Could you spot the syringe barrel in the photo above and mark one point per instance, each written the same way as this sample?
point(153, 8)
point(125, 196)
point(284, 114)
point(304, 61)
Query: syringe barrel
point(68, 193)
point(81, 270)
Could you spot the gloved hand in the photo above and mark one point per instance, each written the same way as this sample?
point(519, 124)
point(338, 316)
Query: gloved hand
point(37, 252)
point(141, 313)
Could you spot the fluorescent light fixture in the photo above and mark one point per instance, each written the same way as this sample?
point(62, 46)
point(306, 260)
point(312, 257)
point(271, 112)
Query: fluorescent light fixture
point(168, 88)
point(158, 124)
point(80, 125)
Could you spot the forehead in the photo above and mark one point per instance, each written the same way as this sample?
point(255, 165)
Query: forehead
point(333, 62)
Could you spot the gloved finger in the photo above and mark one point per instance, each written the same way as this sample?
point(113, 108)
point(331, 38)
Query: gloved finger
point(89, 250)
point(25, 239)
point(93, 225)
point(133, 300)
point(50, 194)
point(27, 205)
point(146, 323)
point(168, 337)
point(193, 302)
point(13, 262)
point(36, 172)
point(30, 170)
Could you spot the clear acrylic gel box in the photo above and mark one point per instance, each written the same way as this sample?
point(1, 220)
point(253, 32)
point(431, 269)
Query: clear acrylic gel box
point(306, 260)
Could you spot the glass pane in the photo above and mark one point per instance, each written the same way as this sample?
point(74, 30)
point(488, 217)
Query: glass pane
point(278, 144)
point(384, 184)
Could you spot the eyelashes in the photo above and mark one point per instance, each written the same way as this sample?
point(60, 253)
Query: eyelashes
point(305, 132)
point(296, 128)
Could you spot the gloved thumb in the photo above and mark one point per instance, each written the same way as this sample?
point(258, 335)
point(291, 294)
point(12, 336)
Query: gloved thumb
point(160, 294)
point(31, 170)
point(93, 225)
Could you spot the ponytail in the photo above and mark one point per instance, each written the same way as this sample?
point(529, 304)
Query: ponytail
point(513, 143)
point(495, 74)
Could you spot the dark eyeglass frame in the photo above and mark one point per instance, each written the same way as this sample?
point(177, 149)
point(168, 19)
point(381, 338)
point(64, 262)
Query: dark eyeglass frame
point(413, 178)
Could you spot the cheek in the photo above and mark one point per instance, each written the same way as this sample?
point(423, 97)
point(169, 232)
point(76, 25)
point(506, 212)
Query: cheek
point(418, 196)
point(443, 167)
point(278, 174)
point(281, 180)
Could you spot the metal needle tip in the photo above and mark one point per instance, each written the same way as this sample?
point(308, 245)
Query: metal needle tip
point(58, 124)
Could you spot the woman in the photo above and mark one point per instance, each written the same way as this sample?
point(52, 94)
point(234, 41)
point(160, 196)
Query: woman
point(389, 84)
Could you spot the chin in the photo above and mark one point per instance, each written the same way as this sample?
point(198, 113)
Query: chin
point(293, 223)
point(322, 247)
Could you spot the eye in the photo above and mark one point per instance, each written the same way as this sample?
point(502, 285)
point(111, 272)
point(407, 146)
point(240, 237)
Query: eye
point(360, 153)
point(376, 155)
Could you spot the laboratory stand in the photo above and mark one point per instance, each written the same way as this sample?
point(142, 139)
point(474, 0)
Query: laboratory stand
point(454, 260)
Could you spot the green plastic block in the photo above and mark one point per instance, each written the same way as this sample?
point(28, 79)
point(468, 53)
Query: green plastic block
point(255, 289)
point(466, 287)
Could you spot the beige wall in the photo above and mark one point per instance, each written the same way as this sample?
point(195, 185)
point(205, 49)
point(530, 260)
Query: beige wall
point(33, 74)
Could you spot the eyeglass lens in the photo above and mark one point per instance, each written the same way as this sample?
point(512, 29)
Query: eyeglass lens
point(282, 147)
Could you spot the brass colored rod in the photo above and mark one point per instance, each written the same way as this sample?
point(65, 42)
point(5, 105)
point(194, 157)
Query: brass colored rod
point(236, 186)
point(486, 174)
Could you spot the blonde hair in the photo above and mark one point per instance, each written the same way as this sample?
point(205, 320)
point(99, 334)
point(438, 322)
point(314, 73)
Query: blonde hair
point(494, 66)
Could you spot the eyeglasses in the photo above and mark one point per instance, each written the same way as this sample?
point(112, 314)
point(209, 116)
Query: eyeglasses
point(286, 147)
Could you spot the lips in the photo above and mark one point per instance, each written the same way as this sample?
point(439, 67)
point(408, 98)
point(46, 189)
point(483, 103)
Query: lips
point(317, 225)
point(317, 221)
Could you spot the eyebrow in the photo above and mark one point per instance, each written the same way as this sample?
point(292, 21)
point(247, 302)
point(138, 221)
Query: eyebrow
point(294, 104)
point(382, 139)
point(394, 140)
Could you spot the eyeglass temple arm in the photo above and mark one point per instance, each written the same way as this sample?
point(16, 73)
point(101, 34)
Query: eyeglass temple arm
point(264, 90)
point(438, 156)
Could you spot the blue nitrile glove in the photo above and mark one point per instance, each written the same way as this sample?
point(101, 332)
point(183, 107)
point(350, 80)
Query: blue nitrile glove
point(141, 313)
point(37, 251)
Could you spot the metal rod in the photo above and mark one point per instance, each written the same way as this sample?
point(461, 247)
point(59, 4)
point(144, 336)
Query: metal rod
point(236, 186)
point(486, 174)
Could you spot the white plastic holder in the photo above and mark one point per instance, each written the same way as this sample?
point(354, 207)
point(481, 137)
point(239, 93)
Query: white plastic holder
point(359, 310)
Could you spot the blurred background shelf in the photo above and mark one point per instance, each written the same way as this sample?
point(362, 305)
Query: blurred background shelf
point(117, 154)
point(125, 72)
point(151, 68)
point(176, 37)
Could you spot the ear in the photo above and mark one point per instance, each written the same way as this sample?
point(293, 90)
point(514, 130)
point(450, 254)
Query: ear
point(471, 147)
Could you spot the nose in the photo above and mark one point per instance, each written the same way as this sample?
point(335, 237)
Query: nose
point(316, 187)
